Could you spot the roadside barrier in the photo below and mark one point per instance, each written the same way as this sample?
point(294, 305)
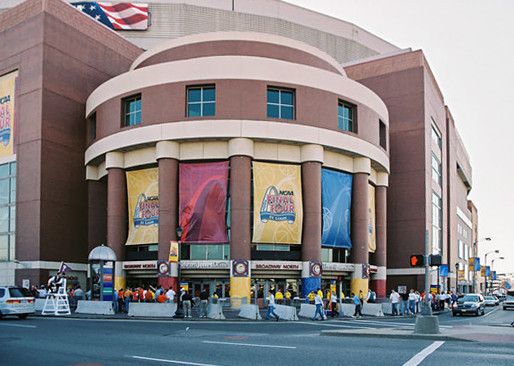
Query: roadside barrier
point(285, 312)
point(95, 307)
point(387, 308)
point(215, 311)
point(38, 304)
point(372, 309)
point(249, 311)
point(166, 310)
point(307, 311)
point(347, 309)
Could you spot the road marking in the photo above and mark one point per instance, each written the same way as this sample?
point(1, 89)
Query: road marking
point(489, 313)
point(322, 324)
point(418, 358)
point(172, 361)
point(18, 325)
point(385, 322)
point(250, 345)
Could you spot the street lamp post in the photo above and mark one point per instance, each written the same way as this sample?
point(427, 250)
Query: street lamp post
point(457, 278)
point(475, 245)
point(485, 264)
point(492, 262)
point(180, 312)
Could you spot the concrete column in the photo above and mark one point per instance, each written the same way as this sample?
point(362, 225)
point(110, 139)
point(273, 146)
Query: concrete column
point(380, 255)
point(359, 226)
point(167, 156)
point(116, 210)
point(241, 153)
point(312, 159)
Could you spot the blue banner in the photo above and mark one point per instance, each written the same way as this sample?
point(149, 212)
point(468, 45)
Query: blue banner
point(487, 271)
point(477, 264)
point(336, 196)
point(443, 270)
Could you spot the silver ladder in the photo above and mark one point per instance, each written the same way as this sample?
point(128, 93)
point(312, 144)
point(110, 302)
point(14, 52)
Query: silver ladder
point(56, 304)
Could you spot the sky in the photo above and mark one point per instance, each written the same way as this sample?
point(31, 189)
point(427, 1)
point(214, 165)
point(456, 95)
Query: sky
point(469, 45)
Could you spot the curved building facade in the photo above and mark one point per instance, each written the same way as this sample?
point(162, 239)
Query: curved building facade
point(270, 161)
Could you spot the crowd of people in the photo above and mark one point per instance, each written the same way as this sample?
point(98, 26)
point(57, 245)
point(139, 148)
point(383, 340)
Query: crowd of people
point(409, 303)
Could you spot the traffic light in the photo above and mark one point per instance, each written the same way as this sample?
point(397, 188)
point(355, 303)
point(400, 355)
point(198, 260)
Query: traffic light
point(435, 260)
point(416, 260)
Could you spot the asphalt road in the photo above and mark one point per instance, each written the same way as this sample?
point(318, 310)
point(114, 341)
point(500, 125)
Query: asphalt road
point(49, 341)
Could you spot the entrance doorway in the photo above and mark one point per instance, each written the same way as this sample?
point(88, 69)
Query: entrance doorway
point(260, 288)
point(220, 287)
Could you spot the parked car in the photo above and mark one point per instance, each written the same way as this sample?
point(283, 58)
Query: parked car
point(491, 301)
point(16, 301)
point(509, 300)
point(470, 304)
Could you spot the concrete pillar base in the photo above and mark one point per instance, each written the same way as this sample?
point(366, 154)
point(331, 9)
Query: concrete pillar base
point(427, 324)
point(239, 291)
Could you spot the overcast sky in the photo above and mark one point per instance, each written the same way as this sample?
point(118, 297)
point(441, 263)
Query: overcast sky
point(469, 45)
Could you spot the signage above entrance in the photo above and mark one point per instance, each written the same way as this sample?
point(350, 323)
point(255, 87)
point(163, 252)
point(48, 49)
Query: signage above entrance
point(338, 267)
point(140, 265)
point(277, 265)
point(205, 264)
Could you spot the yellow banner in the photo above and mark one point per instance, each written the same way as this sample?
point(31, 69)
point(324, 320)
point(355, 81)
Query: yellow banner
point(7, 86)
point(372, 234)
point(471, 263)
point(173, 257)
point(277, 203)
point(143, 206)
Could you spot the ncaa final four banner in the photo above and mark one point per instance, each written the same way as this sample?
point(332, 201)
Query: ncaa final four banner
point(277, 203)
point(7, 91)
point(143, 206)
point(203, 202)
point(336, 197)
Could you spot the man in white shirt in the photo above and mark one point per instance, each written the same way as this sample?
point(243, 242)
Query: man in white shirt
point(395, 300)
point(318, 301)
point(271, 306)
point(170, 295)
point(412, 301)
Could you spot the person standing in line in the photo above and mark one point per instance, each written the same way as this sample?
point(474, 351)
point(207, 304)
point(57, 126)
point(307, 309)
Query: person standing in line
point(395, 300)
point(115, 302)
point(412, 301)
point(358, 305)
point(128, 296)
point(405, 303)
point(333, 304)
point(186, 304)
point(287, 295)
point(279, 297)
point(170, 295)
point(271, 306)
point(418, 300)
point(204, 302)
point(318, 301)
point(311, 296)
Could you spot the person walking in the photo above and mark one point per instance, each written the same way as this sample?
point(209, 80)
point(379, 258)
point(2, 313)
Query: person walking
point(418, 300)
point(405, 303)
point(395, 300)
point(358, 305)
point(318, 301)
point(271, 306)
point(454, 299)
point(204, 302)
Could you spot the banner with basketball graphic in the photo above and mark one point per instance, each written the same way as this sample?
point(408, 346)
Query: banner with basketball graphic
point(372, 235)
point(336, 201)
point(143, 206)
point(7, 92)
point(277, 203)
point(203, 202)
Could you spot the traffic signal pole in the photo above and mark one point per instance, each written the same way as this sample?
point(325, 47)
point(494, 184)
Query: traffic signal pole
point(427, 273)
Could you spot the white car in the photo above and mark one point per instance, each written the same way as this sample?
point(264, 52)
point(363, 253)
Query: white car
point(491, 301)
point(16, 301)
point(509, 300)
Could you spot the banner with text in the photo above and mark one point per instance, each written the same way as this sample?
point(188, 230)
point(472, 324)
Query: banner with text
point(7, 117)
point(143, 206)
point(336, 197)
point(372, 235)
point(203, 202)
point(277, 203)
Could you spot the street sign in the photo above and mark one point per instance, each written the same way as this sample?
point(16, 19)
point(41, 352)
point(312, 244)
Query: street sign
point(416, 260)
point(435, 260)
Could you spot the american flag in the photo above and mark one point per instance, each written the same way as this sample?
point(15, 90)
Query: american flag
point(128, 16)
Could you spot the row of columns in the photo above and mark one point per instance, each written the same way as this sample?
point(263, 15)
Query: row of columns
point(241, 154)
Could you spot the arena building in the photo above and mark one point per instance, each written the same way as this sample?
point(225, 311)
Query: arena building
point(252, 137)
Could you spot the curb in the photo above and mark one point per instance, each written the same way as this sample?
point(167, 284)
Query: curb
point(433, 337)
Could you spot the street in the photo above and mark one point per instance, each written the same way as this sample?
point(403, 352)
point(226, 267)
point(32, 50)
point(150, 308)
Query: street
point(67, 341)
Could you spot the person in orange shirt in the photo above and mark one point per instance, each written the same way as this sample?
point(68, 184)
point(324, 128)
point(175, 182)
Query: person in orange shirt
point(161, 298)
point(127, 296)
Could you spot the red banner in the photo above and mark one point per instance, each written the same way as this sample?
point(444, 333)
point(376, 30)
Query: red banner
point(202, 202)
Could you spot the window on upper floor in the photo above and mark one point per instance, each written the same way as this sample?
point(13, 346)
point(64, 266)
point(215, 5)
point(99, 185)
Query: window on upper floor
point(436, 170)
point(382, 134)
point(436, 135)
point(201, 101)
point(280, 103)
point(131, 107)
point(437, 224)
point(346, 116)
point(91, 133)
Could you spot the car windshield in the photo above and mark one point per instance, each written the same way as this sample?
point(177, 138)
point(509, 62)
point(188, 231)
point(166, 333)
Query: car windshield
point(469, 299)
point(490, 298)
point(510, 298)
point(19, 292)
